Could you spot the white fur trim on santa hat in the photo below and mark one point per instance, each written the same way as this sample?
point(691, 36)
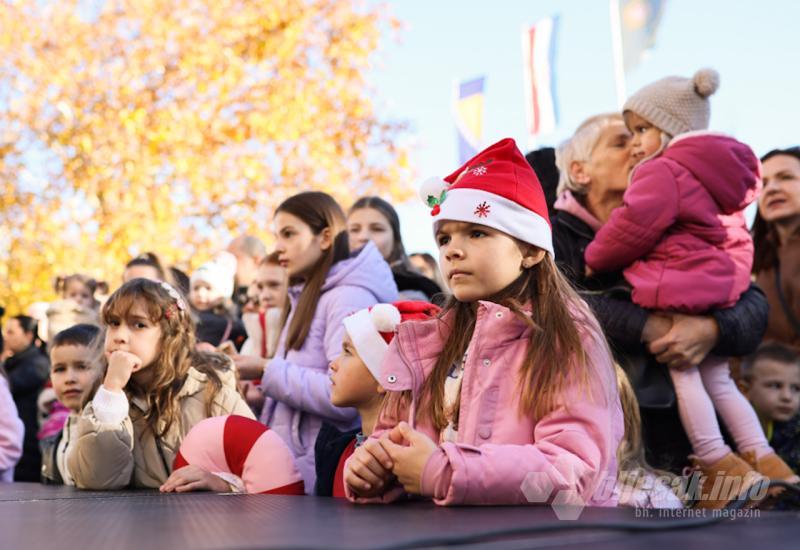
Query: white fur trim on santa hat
point(369, 344)
point(484, 208)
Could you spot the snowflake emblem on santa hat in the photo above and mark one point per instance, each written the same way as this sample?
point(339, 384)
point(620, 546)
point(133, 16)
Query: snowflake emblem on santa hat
point(483, 210)
point(479, 170)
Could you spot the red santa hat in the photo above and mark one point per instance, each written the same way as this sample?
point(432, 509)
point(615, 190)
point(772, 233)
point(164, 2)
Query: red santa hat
point(496, 188)
point(373, 329)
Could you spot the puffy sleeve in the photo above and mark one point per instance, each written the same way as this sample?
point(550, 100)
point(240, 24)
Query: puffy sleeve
point(650, 206)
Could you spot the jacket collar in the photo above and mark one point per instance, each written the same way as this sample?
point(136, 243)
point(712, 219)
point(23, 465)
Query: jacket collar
point(419, 343)
point(567, 202)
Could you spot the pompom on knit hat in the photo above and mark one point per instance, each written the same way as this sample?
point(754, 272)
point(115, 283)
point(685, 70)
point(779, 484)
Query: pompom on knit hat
point(373, 329)
point(219, 274)
point(675, 104)
point(496, 188)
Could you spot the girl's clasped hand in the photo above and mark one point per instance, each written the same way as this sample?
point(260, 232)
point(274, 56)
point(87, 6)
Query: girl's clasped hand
point(400, 453)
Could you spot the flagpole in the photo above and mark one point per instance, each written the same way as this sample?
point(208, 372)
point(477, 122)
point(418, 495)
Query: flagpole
point(619, 62)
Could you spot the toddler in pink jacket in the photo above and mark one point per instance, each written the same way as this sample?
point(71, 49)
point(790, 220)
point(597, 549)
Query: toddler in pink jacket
point(509, 396)
point(682, 240)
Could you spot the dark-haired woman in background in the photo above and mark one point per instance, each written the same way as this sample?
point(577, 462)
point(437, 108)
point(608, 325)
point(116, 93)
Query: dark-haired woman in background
point(776, 235)
point(374, 219)
point(27, 368)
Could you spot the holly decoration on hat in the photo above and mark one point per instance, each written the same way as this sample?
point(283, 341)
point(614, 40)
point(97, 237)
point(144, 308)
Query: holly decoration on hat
point(433, 192)
point(436, 203)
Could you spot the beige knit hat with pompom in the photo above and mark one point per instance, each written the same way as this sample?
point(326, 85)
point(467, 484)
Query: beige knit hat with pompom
point(675, 104)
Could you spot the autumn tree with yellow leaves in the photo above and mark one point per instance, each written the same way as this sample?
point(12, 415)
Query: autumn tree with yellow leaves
point(136, 125)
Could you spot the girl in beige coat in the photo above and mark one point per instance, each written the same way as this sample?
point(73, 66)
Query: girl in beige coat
point(156, 387)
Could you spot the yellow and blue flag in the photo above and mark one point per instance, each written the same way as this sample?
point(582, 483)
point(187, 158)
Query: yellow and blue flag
point(468, 111)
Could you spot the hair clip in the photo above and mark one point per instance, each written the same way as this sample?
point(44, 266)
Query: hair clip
point(175, 295)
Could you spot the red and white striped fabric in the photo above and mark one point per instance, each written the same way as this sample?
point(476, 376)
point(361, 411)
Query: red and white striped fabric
point(245, 448)
point(538, 51)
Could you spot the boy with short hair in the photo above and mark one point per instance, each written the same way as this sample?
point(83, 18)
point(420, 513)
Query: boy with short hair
point(770, 378)
point(74, 374)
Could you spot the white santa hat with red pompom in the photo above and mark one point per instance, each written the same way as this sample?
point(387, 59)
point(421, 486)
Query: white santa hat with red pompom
point(372, 330)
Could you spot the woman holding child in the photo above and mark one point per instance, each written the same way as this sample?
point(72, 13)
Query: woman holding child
point(595, 166)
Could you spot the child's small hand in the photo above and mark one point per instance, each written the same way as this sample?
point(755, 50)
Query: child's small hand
point(194, 478)
point(410, 451)
point(369, 470)
point(588, 272)
point(121, 365)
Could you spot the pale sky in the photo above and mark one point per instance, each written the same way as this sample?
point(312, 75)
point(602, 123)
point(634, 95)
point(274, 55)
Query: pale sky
point(753, 45)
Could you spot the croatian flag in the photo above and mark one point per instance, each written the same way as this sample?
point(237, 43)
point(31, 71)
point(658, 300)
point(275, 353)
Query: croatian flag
point(468, 112)
point(538, 51)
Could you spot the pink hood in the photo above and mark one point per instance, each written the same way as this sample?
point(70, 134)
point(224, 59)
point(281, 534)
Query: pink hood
point(727, 168)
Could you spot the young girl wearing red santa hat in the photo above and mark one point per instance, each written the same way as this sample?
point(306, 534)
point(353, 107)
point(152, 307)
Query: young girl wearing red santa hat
point(509, 395)
point(355, 376)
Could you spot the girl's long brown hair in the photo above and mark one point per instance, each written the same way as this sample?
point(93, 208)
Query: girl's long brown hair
point(319, 211)
point(177, 351)
point(555, 357)
point(632, 466)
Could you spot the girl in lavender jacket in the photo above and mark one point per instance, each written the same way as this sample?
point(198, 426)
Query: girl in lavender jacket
point(327, 285)
point(509, 396)
point(682, 239)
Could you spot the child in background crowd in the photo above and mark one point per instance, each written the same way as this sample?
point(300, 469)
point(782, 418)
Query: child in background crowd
point(74, 373)
point(146, 265)
point(76, 306)
point(510, 394)
point(211, 290)
point(682, 238)
point(157, 386)
point(263, 327)
point(354, 383)
point(426, 264)
point(770, 379)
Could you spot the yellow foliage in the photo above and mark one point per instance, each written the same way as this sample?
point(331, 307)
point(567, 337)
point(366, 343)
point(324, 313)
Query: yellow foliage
point(171, 126)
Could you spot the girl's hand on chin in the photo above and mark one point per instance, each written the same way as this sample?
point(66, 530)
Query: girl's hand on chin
point(121, 365)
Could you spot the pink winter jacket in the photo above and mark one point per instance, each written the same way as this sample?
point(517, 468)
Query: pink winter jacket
point(502, 457)
point(681, 231)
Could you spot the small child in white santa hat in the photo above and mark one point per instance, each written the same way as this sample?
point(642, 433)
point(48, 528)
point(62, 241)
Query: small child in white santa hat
point(354, 383)
point(210, 293)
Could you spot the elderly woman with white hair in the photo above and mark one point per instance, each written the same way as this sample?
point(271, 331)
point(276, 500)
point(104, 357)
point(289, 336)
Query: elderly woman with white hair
point(594, 167)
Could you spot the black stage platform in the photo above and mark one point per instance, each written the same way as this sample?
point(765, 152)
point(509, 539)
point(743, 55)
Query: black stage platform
point(38, 517)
